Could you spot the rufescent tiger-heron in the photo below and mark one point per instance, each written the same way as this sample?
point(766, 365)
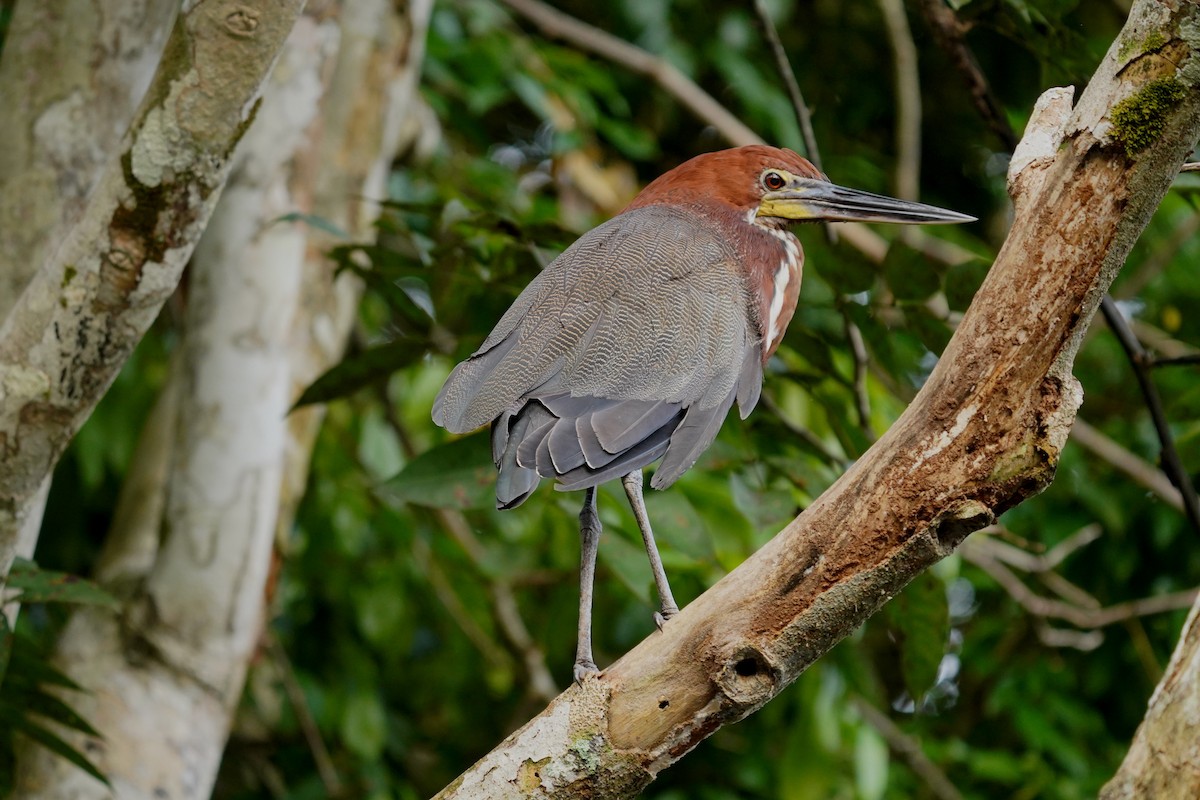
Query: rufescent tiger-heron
point(635, 342)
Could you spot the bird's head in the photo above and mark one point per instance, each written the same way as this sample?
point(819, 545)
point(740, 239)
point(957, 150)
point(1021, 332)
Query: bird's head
point(776, 184)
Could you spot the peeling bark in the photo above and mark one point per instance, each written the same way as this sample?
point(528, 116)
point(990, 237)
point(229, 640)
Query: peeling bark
point(984, 434)
point(93, 298)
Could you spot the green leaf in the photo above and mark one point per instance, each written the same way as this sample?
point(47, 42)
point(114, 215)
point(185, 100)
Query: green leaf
point(364, 725)
point(45, 586)
point(49, 706)
point(909, 273)
point(360, 370)
point(934, 333)
point(56, 745)
point(921, 616)
point(6, 645)
point(870, 763)
point(678, 524)
point(963, 280)
point(458, 474)
point(851, 273)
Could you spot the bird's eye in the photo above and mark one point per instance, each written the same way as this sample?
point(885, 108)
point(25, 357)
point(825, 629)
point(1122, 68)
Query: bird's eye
point(773, 181)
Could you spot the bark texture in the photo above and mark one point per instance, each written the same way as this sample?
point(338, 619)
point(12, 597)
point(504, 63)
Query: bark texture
point(1164, 761)
point(984, 433)
point(91, 301)
point(62, 123)
point(60, 126)
point(220, 463)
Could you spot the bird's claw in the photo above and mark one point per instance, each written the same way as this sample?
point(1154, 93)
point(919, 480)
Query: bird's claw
point(584, 670)
point(661, 617)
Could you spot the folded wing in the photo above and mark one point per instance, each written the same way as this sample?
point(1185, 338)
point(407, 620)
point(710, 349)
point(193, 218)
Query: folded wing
point(632, 345)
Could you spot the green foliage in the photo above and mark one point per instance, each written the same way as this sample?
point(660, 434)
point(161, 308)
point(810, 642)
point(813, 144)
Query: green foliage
point(920, 618)
point(31, 689)
point(35, 585)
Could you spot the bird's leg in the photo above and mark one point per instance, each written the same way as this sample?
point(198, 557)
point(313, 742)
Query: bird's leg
point(589, 534)
point(633, 490)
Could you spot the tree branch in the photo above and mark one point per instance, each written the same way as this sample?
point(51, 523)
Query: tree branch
point(909, 749)
point(908, 100)
point(982, 435)
point(556, 24)
point(803, 118)
point(950, 34)
point(1140, 361)
point(1142, 473)
point(1163, 761)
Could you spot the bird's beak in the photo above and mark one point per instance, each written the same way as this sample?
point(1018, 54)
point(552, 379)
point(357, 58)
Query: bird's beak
point(817, 200)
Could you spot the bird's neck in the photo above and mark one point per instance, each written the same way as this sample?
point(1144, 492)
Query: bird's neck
point(773, 262)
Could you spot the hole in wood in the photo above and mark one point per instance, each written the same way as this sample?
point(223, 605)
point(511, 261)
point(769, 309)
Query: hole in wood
point(747, 667)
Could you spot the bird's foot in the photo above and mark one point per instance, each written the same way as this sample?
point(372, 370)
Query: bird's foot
point(661, 617)
point(585, 669)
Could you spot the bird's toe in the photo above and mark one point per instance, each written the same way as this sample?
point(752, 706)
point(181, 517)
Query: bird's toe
point(661, 617)
point(585, 670)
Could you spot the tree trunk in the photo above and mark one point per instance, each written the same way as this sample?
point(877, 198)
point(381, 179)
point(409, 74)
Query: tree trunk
point(92, 299)
point(984, 433)
point(221, 464)
point(1164, 761)
point(60, 126)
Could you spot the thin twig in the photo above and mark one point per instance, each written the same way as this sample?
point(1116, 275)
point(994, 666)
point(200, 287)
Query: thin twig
point(443, 588)
point(908, 99)
point(950, 34)
point(504, 604)
point(1051, 636)
point(556, 24)
point(1133, 280)
point(1142, 473)
point(808, 436)
point(803, 117)
point(1032, 562)
point(1084, 618)
point(909, 749)
point(862, 400)
point(304, 716)
point(1191, 166)
point(1160, 341)
point(1067, 590)
point(1177, 361)
point(1139, 360)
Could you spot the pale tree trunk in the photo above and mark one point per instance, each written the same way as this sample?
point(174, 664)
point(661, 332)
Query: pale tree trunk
point(61, 123)
point(1164, 761)
point(984, 433)
point(220, 464)
point(97, 292)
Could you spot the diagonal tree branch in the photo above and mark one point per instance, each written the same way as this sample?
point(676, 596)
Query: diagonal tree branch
point(983, 434)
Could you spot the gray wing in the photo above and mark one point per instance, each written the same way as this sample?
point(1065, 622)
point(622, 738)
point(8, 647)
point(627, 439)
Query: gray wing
point(630, 346)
